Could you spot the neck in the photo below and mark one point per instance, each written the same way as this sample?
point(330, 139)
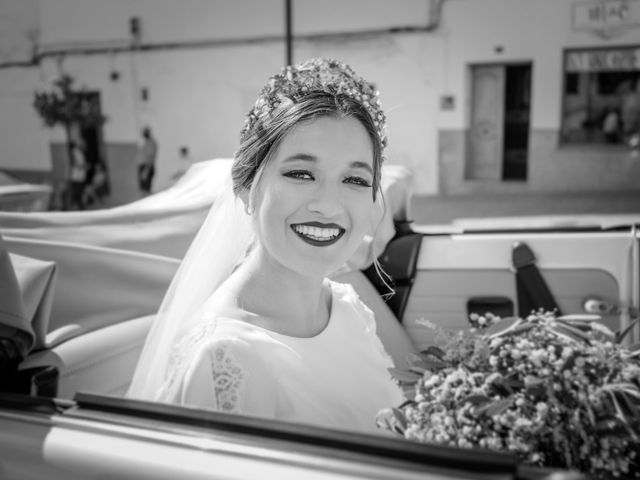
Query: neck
point(282, 300)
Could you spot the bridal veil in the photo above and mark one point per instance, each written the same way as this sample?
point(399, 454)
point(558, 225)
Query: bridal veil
point(219, 246)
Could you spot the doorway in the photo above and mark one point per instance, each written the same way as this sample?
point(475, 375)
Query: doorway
point(499, 127)
point(93, 141)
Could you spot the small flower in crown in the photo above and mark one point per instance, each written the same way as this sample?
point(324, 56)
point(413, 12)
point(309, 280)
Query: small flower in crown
point(317, 75)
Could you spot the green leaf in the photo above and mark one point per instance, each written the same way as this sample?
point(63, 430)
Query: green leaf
point(476, 399)
point(404, 376)
point(399, 418)
point(407, 403)
point(536, 387)
point(494, 408)
point(531, 381)
point(581, 322)
point(392, 419)
point(536, 391)
point(611, 426)
point(622, 411)
point(629, 404)
point(514, 381)
point(502, 388)
point(571, 332)
point(419, 370)
point(424, 362)
point(434, 365)
point(502, 326)
point(621, 334)
point(626, 398)
point(435, 351)
point(580, 318)
point(525, 327)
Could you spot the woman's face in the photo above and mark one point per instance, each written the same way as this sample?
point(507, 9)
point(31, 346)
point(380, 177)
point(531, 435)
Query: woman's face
point(314, 202)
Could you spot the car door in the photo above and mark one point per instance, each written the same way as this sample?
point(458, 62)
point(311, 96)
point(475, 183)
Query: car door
point(99, 437)
point(586, 271)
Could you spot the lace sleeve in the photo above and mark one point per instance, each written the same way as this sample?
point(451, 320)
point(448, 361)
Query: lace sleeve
point(229, 376)
point(214, 377)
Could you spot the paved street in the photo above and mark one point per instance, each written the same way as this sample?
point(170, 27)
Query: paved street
point(432, 210)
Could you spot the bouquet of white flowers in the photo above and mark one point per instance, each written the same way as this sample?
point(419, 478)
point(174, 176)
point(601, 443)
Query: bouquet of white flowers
point(559, 392)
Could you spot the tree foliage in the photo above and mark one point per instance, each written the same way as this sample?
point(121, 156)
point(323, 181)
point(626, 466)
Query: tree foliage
point(65, 105)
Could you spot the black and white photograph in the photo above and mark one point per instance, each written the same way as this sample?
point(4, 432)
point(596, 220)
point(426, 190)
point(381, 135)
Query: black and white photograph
point(320, 239)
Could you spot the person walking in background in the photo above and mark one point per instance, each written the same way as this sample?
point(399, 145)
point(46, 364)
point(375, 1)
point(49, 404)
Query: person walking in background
point(146, 167)
point(611, 126)
point(97, 189)
point(77, 176)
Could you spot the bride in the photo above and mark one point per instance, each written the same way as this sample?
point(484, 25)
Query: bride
point(251, 324)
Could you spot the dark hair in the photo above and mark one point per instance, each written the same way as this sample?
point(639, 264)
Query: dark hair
point(258, 146)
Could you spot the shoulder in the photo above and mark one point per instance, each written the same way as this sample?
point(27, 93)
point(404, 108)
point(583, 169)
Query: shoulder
point(346, 302)
point(214, 332)
point(221, 338)
point(342, 291)
point(211, 347)
point(346, 294)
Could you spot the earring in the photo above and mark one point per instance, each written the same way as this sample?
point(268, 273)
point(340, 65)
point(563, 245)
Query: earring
point(248, 209)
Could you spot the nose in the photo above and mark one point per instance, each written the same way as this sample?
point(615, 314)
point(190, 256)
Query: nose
point(326, 201)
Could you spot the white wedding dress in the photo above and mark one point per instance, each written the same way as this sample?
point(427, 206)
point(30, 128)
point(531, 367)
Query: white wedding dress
point(336, 379)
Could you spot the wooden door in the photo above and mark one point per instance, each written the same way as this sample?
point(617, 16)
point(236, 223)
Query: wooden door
point(486, 132)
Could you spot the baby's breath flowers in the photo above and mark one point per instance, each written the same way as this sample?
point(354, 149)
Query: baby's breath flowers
point(557, 391)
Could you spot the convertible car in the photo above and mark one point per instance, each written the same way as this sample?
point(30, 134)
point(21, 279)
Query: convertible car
point(18, 196)
point(88, 283)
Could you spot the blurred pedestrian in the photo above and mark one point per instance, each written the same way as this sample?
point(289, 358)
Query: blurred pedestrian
point(96, 189)
point(146, 167)
point(611, 126)
point(77, 176)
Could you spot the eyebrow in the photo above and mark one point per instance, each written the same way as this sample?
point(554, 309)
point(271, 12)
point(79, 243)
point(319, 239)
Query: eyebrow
point(311, 158)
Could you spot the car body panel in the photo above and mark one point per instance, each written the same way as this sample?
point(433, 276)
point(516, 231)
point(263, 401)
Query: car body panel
point(100, 437)
point(455, 268)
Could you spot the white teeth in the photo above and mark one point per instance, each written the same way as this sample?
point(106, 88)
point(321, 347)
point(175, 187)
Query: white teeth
point(317, 233)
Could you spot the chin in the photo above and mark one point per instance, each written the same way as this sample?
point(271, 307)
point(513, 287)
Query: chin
point(319, 262)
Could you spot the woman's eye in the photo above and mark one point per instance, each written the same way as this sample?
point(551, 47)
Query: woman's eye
point(299, 174)
point(361, 182)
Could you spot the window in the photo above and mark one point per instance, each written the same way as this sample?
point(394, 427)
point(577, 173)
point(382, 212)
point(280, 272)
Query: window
point(601, 102)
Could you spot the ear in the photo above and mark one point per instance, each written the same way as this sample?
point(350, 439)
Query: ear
point(245, 197)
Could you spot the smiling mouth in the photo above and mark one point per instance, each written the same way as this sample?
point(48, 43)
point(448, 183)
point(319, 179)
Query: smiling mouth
point(317, 234)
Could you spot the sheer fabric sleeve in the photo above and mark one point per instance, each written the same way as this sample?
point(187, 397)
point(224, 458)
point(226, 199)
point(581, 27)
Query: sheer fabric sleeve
point(228, 376)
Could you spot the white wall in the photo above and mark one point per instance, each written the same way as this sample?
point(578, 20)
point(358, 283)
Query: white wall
point(198, 97)
point(65, 21)
point(527, 30)
point(24, 141)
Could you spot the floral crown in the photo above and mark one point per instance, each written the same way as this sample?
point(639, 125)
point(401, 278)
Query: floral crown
point(325, 75)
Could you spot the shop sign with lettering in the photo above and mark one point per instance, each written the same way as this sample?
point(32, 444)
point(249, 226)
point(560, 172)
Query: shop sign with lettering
point(603, 60)
point(606, 17)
